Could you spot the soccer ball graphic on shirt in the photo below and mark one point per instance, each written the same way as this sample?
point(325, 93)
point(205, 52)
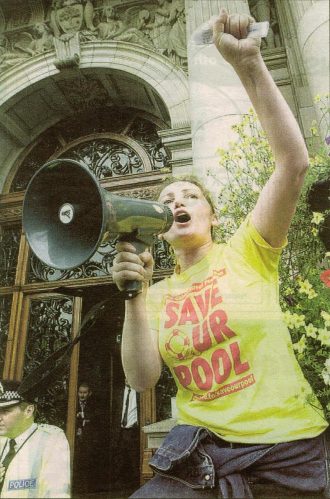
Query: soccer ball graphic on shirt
point(178, 345)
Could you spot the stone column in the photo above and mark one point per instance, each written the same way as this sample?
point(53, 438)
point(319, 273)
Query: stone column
point(217, 96)
point(313, 35)
point(178, 142)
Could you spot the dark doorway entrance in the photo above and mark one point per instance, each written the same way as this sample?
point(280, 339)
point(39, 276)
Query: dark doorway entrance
point(97, 456)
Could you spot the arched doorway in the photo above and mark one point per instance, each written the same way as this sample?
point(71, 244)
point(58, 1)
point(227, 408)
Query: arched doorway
point(42, 308)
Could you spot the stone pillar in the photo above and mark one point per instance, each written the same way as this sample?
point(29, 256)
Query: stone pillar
point(313, 35)
point(217, 97)
point(178, 142)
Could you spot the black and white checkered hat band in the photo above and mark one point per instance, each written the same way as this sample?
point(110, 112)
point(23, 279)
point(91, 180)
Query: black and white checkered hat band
point(10, 397)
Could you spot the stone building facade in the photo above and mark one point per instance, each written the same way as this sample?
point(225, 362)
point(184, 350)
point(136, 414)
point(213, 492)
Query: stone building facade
point(118, 86)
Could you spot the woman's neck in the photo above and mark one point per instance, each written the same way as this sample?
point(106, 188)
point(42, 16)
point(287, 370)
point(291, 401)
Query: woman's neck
point(187, 257)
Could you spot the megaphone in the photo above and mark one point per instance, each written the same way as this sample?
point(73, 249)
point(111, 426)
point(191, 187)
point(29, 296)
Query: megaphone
point(67, 215)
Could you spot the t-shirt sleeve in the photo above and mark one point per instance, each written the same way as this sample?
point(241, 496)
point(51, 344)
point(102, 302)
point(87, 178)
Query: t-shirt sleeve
point(256, 252)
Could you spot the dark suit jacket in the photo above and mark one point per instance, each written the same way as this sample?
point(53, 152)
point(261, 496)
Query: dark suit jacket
point(87, 426)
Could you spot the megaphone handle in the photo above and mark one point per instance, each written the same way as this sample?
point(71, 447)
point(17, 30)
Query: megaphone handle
point(133, 288)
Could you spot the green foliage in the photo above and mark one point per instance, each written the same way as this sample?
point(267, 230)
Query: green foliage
point(305, 298)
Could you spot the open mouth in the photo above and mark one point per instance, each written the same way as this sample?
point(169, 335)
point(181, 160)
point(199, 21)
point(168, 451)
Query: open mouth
point(182, 218)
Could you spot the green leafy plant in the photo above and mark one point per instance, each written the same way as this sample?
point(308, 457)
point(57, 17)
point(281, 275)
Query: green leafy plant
point(304, 270)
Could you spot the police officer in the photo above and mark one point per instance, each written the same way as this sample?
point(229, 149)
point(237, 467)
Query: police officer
point(34, 458)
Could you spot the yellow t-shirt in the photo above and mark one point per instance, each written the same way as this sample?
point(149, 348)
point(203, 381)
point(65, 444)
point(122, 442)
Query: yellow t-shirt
point(222, 334)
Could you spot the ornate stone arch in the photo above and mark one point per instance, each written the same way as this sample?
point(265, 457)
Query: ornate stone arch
point(167, 84)
point(168, 80)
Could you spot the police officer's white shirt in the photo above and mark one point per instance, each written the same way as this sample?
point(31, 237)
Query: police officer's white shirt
point(23, 436)
point(132, 416)
point(41, 467)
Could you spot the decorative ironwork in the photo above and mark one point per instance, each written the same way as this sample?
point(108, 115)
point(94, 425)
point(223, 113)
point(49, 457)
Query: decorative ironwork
point(145, 133)
point(98, 265)
point(148, 193)
point(9, 247)
point(10, 214)
point(49, 329)
point(5, 306)
point(163, 256)
point(165, 390)
point(265, 10)
point(107, 158)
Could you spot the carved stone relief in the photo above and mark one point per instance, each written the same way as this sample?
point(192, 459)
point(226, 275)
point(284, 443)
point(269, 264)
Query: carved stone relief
point(65, 24)
point(67, 49)
point(264, 10)
point(10, 55)
point(69, 19)
point(114, 27)
point(71, 16)
point(159, 25)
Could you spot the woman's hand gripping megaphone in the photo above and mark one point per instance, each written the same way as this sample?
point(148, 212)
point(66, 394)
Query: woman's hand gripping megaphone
point(133, 266)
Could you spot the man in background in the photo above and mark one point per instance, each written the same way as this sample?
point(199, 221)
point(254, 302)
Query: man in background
point(34, 458)
point(85, 409)
point(86, 442)
point(127, 469)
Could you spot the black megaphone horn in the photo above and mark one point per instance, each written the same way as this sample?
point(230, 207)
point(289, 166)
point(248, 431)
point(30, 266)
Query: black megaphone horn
point(67, 215)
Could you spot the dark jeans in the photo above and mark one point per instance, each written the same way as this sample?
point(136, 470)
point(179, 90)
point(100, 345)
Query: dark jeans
point(193, 463)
